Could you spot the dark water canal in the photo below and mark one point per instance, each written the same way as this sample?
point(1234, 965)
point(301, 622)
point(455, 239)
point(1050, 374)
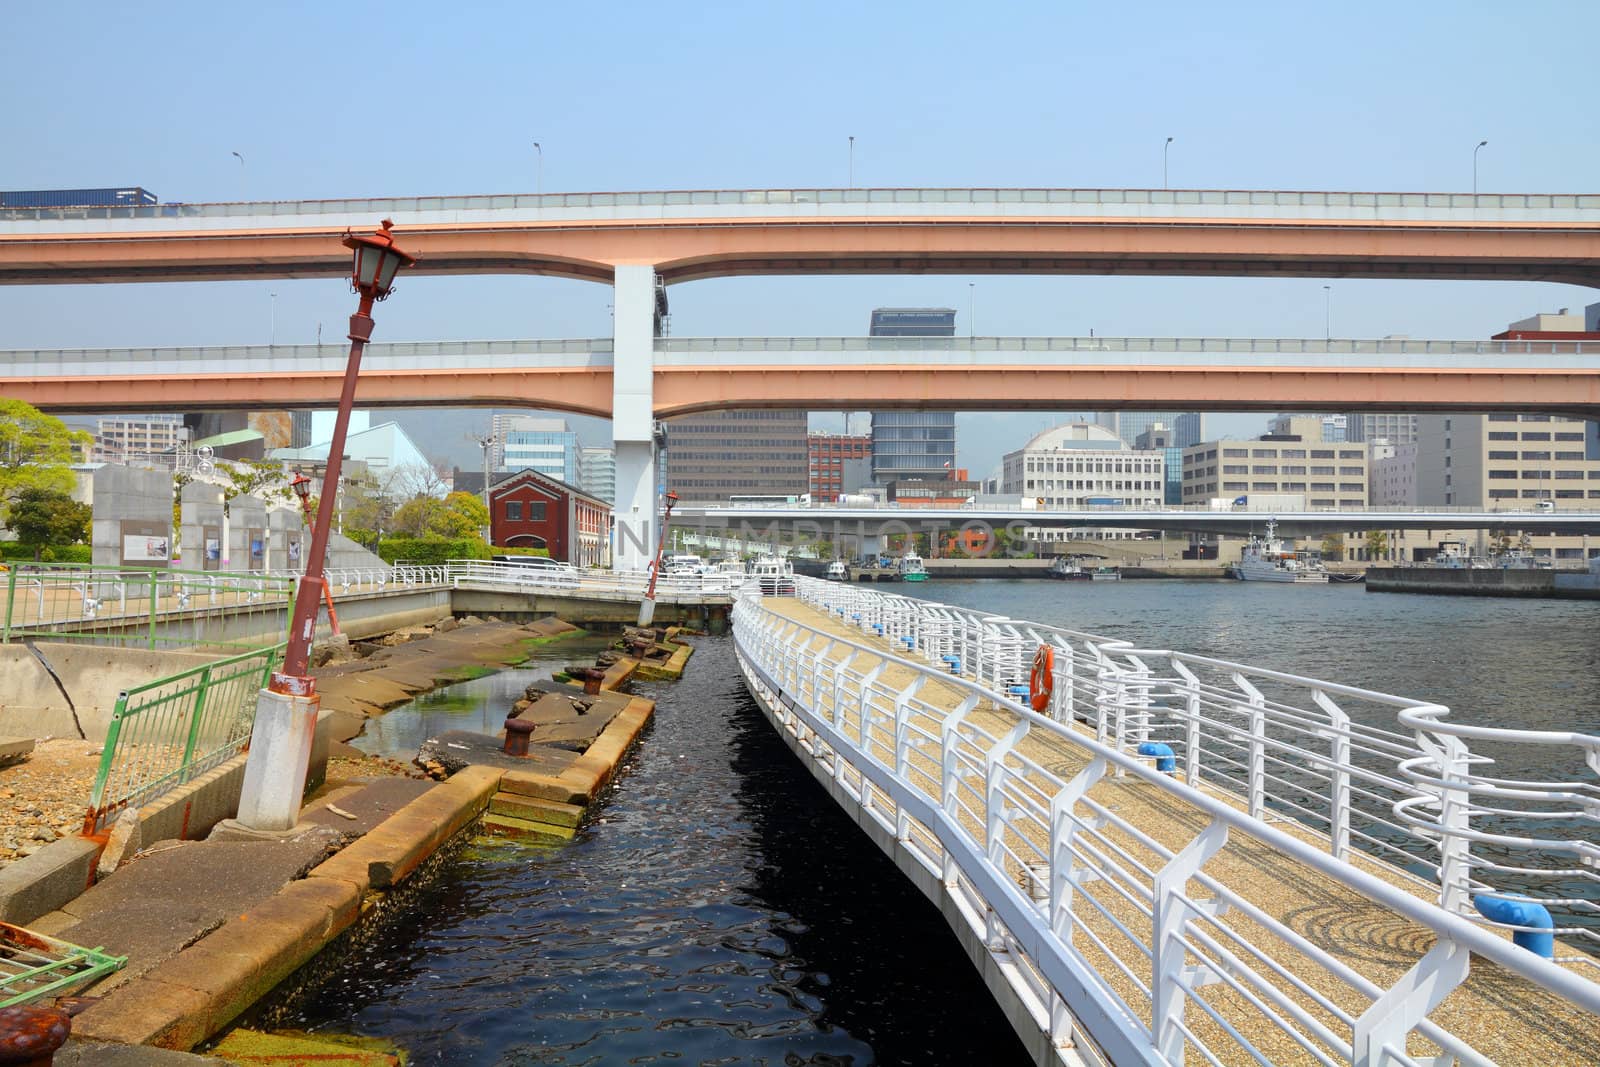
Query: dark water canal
point(716, 909)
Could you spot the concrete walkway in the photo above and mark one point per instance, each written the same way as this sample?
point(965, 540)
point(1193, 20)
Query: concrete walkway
point(1501, 1015)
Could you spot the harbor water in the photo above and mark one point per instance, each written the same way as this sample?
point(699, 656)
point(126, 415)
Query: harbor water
point(717, 908)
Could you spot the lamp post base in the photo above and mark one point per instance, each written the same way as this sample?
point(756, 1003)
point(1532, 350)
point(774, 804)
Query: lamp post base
point(280, 753)
point(647, 612)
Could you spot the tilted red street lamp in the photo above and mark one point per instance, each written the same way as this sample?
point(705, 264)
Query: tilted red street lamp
point(286, 711)
point(647, 606)
point(377, 259)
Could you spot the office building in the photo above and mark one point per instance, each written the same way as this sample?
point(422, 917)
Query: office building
point(840, 463)
point(1183, 427)
point(1080, 465)
point(1285, 468)
point(716, 455)
point(128, 438)
point(1160, 438)
point(523, 442)
point(529, 510)
point(912, 444)
point(597, 472)
point(1394, 427)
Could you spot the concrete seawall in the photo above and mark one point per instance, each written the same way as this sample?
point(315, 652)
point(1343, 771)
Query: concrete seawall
point(1448, 581)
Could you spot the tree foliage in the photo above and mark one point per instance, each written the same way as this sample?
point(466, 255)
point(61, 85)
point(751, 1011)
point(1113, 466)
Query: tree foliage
point(1333, 546)
point(36, 451)
point(42, 517)
point(1377, 544)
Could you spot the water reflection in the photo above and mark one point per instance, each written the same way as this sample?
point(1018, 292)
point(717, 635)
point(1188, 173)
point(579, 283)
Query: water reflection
point(718, 908)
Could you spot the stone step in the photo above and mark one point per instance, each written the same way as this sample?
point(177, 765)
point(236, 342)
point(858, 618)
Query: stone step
point(536, 810)
point(507, 826)
point(291, 1049)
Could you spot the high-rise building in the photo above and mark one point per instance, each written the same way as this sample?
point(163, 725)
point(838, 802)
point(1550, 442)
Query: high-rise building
point(716, 455)
point(912, 444)
point(1159, 438)
point(523, 442)
point(597, 472)
point(1185, 427)
point(840, 463)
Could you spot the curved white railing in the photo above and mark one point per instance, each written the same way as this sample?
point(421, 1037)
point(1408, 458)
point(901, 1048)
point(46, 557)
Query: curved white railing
point(1290, 747)
point(1105, 926)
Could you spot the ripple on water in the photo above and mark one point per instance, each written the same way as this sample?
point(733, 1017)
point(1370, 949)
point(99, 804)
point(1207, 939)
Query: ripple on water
point(719, 909)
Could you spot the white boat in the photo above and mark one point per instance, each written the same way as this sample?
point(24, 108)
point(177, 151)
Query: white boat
point(1067, 569)
point(910, 568)
point(1105, 574)
point(838, 571)
point(774, 575)
point(1267, 559)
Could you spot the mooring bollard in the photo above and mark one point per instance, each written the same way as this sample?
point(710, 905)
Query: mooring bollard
point(592, 677)
point(517, 733)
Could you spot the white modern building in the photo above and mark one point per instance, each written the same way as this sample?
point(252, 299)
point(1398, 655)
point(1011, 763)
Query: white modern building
point(528, 442)
point(1079, 465)
point(386, 450)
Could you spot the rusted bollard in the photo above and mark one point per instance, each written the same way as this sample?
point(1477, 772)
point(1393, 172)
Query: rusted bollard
point(517, 732)
point(29, 1037)
point(592, 677)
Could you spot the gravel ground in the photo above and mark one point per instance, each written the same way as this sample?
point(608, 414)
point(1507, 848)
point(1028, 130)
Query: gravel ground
point(44, 797)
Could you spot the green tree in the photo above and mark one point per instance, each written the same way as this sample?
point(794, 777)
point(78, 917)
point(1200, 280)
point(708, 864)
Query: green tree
point(1333, 546)
point(1377, 544)
point(42, 517)
point(472, 510)
point(36, 451)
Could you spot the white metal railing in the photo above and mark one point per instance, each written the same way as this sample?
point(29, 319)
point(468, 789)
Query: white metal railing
point(1106, 926)
point(1237, 202)
point(1322, 754)
point(591, 583)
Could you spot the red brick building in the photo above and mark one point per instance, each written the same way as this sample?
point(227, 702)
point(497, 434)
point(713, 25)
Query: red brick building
point(533, 510)
point(829, 452)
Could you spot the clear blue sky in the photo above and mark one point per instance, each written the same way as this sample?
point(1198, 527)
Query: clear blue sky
point(358, 99)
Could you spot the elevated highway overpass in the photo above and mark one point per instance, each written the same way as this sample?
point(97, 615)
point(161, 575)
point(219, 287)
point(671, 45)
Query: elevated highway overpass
point(642, 242)
point(691, 234)
point(980, 373)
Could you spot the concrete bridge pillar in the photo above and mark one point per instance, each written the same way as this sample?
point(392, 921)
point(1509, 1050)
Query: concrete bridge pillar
point(633, 416)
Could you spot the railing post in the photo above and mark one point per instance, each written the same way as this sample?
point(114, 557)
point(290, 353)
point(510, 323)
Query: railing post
point(11, 602)
point(1339, 775)
point(154, 590)
point(1379, 1035)
point(1169, 918)
point(1256, 783)
point(1064, 869)
point(1191, 724)
point(195, 717)
point(1455, 852)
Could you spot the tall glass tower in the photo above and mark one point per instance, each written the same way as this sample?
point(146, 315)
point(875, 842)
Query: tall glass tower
point(913, 444)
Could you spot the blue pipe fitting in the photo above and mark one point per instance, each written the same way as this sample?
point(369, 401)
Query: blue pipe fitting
point(1166, 762)
point(1534, 917)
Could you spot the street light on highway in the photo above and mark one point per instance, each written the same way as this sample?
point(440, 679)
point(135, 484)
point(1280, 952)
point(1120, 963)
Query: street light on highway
point(538, 151)
point(243, 192)
point(286, 711)
point(1327, 312)
point(1164, 148)
point(1475, 166)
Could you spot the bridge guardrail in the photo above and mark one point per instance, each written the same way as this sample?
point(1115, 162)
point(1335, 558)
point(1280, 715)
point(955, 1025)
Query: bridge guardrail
point(1319, 753)
point(1094, 915)
point(630, 584)
point(1370, 203)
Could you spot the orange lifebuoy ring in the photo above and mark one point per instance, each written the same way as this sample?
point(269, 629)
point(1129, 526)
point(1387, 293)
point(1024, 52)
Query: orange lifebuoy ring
point(1043, 680)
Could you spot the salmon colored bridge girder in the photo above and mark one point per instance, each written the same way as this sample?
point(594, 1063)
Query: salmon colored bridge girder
point(688, 249)
point(679, 390)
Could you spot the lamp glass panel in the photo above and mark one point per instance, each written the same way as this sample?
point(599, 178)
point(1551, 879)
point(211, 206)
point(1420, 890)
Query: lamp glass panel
point(366, 265)
point(389, 263)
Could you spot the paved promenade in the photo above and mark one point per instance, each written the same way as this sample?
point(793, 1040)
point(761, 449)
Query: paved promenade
point(1501, 1015)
